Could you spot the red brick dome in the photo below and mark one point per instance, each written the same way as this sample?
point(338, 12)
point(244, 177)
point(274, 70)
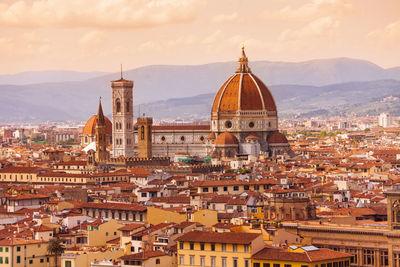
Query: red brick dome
point(90, 126)
point(243, 91)
point(226, 139)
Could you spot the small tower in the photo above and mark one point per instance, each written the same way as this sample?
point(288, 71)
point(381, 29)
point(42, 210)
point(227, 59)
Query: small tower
point(144, 137)
point(101, 141)
point(122, 117)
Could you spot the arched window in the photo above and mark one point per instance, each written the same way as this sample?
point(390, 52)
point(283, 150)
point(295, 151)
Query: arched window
point(142, 132)
point(127, 106)
point(118, 105)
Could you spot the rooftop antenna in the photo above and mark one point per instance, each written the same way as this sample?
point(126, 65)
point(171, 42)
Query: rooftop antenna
point(121, 72)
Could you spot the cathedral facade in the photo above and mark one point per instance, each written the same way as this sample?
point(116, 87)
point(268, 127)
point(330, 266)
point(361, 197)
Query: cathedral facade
point(244, 120)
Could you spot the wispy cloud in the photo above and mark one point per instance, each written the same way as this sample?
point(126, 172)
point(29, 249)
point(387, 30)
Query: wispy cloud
point(98, 13)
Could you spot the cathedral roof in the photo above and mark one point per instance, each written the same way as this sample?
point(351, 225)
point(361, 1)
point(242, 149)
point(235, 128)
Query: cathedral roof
point(243, 91)
point(90, 126)
point(276, 137)
point(211, 136)
point(226, 138)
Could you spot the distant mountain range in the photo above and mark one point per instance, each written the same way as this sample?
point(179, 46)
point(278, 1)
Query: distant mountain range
point(326, 87)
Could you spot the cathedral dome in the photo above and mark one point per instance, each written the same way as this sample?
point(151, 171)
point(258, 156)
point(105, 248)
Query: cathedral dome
point(226, 139)
point(90, 126)
point(243, 91)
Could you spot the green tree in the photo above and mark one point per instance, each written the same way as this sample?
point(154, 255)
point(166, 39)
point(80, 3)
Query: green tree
point(56, 248)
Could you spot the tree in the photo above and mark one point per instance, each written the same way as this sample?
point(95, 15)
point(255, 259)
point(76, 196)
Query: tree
point(56, 248)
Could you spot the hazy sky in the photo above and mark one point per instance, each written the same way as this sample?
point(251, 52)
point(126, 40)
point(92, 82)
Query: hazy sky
point(98, 35)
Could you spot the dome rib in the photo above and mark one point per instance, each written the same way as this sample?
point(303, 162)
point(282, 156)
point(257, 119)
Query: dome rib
point(240, 92)
point(259, 91)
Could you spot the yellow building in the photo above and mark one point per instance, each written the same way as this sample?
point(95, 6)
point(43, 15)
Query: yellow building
point(199, 248)
point(99, 233)
point(147, 259)
point(19, 252)
point(294, 256)
point(205, 217)
point(83, 258)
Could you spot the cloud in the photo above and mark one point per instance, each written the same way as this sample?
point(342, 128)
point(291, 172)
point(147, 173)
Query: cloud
point(310, 10)
point(24, 45)
point(388, 35)
point(98, 13)
point(224, 18)
point(92, 38)
point(320, 27)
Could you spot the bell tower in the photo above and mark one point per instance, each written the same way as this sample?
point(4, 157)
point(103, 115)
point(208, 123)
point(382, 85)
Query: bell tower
point(100, 132)
point(122, 117)
point(145, 137)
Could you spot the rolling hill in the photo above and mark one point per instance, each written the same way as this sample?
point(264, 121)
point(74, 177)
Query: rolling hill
point(187, 91)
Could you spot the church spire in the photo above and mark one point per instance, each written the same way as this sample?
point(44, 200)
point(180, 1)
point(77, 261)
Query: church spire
point(243, 63)
point(100, 115)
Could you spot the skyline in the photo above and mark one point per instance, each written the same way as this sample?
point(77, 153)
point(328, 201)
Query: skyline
point(56, 34)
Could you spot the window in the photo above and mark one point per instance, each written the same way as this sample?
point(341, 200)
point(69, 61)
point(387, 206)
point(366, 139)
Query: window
point(18, 259)
point(235, 262)
point(127, 106)
point(223, 247)
point(1, 260)
point(225, 188)
point(202, 260)
point(191, 259)
point(31, 262)
point(182, 138)
point(251, 124)
point(277, 265)
point(41, 260)
point(6, 260)
point(369, 258)
point(288, 265)
point(68, 264)
point(118, 108)
point(212, 247)
point(191, 246)
point(246, 263)
point(1, 249)
point(157, 261)
point(234, 247)
point(142, 132)
point(201, 246)
point(236, 188)
point(144, 194)
point(181, 262)
point(246, 187)
point(246, 248)
point(205, 189)
point(18, 248)
point(215, 189)
point(223, 262)
point(213, 261)
point(228, 124)
point(180, 245)
point(256, 264)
